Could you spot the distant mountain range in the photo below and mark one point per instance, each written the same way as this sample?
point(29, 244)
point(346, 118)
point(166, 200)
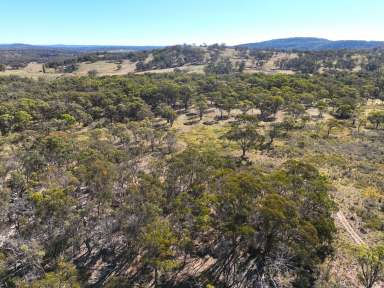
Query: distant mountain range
point(313, 44)
point(289, 44)
point(77, 48)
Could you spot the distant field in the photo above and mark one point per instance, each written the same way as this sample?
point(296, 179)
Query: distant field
point(269, 66)
point(108, 68)
point(104, 68)
point(33, 70)
point(189, 68)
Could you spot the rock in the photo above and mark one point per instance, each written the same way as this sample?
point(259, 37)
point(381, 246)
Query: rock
point(362, 230)
point(211, 122)
point(189, 123)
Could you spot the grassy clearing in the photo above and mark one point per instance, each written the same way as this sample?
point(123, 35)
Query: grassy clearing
point(201, 134)
point(105, 68)
point(32, 70)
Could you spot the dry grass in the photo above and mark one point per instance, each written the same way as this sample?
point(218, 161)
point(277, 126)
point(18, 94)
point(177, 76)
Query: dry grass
point(105, 68)
point(32, 70)
point(187, 68)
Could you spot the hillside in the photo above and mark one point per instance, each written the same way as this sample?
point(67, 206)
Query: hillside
point(312, 44)
point(17, 56)
point(221, 178)
point(167, 144)
point(214, 59)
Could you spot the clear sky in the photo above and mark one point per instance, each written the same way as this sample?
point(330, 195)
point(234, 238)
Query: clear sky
point(166, 22)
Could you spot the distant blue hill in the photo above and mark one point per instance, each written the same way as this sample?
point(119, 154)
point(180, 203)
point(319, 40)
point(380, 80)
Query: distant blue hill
point(313, 44)
point(77, 48)
point(296, 43)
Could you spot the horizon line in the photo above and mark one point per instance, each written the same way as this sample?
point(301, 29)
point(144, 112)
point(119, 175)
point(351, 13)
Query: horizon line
point(192, 44)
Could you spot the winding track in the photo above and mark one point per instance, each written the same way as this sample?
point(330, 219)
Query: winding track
point(341, 217)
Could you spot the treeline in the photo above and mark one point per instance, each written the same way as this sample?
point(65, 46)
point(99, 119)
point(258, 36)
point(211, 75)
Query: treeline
point(19, 58)
point(70, 64)
point(312, 62)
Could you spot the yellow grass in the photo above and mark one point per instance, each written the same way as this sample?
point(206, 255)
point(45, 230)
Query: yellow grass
point(104, 68)
point(32, 70)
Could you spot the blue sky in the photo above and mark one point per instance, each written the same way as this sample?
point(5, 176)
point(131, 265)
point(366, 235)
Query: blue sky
point(166, 22)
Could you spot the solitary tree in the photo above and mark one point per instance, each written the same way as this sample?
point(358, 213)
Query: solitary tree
point(241, 66)
point(269, 106)
point(362, 121)
point(245, 106)
point(296, 110)
point(159, 239)
point(332, 123)
point(92, 73)
point(22, 119)
point(376, 118)
point(201, 105)
point(246, 136)
point(322, 107)
point(5, 123)
point(186, 95)
point(168, 113)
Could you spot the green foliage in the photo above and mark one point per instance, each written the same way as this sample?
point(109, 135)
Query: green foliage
point(201, 105)
point(52, 202)
point(6, 121)
point(68, 119)
point(223, 66)
point(65, 276)
point(99, 175)
point(344, 111)
point(376, 118)
point(168, 113)
point(22, 119)
point(371, 263)
point(279, 211)
point(160, 242)
point(118, 189)
point(174, 56)
point(247, 137)
point(268, 105)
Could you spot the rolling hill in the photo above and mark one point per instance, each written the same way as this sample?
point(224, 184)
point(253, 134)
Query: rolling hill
point(76, 48)
point(312, 44)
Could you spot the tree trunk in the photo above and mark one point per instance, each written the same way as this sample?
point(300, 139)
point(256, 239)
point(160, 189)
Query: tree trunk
point(156, 278)
point(88, 245)
point(243, 154)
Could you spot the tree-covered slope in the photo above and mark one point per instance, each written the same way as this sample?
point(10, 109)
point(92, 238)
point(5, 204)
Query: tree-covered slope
point(310, 43)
